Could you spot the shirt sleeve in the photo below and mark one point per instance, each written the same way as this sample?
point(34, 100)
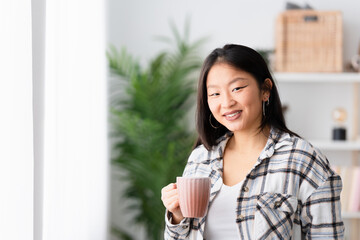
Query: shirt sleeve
point(182, 230)
point(321, 212)
point(176, 231)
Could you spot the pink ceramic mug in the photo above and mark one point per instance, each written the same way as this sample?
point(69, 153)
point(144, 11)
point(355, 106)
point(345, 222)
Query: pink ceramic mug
point(194, 194)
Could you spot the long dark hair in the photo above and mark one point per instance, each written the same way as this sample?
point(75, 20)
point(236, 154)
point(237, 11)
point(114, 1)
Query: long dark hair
point(250, 61)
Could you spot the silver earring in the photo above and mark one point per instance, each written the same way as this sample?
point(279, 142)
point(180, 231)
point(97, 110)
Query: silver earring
point(211, 123)
point(263, 105)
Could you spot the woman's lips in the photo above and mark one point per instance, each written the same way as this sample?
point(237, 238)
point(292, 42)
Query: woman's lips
point(231, 116)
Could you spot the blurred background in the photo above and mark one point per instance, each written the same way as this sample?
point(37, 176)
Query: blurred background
point(310, 98)
point(98, 103)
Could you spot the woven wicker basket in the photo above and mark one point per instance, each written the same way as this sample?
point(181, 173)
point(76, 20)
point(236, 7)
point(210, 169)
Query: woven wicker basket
point(309, 41)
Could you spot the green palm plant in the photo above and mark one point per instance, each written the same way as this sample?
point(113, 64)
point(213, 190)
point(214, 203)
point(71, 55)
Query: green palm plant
point(151, 140)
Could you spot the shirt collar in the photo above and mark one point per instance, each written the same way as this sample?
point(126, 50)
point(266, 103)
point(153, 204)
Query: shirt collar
point(277, 139)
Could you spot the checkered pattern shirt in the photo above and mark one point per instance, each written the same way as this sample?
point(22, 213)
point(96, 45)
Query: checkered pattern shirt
point(290, 193)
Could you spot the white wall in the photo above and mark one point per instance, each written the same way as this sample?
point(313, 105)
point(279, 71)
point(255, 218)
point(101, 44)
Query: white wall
point(16, 122)
point(134, 24)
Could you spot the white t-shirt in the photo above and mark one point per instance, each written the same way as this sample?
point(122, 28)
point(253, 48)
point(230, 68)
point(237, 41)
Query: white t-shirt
point(221, 217)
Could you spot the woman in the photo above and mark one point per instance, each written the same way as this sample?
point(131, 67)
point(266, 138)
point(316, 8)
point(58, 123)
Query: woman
point(267, 182)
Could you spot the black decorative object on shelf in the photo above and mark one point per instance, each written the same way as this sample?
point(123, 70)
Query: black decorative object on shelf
point(339, 133)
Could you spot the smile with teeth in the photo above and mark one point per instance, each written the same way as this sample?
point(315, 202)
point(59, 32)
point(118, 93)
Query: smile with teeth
point(232, 114)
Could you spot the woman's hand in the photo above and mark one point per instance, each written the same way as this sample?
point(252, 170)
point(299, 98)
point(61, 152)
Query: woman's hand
point(170, 199)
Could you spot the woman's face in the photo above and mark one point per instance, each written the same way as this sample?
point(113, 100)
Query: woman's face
point(234, 98)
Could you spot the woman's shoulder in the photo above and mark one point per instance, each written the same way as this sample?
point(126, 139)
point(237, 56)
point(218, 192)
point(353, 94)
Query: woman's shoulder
point(305, 147)
point(293, 143)
point(304, 153)
point(304, 160)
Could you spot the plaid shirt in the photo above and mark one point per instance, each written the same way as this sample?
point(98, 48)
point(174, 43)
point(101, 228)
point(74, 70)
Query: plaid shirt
point(290, 193)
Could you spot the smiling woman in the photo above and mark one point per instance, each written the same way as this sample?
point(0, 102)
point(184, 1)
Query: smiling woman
point(266, 181)
point(235, 100)
point(246, 76)
point(234, 97)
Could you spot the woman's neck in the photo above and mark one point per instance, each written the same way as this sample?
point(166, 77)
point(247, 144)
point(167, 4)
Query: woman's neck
point(245, 141)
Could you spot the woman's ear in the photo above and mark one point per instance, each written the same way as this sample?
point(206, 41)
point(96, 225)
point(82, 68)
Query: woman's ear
point(266, 89)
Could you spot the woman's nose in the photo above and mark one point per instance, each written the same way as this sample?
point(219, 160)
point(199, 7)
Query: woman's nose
point(228, 101)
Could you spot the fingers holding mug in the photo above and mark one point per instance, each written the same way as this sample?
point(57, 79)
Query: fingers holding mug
point(170, 197)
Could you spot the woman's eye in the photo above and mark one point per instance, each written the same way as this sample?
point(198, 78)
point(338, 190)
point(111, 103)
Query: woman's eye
point(213, 94)
point(238, 88)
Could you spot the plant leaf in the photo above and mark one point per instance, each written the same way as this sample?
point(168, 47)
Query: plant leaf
point(150, 141)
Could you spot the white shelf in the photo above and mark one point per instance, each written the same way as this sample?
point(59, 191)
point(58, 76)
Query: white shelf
point(351, 215)
point(317, 77)
point(336, 145)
